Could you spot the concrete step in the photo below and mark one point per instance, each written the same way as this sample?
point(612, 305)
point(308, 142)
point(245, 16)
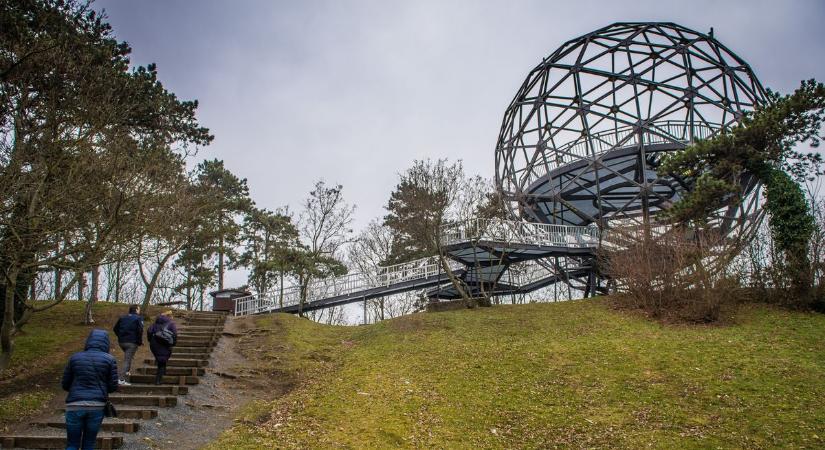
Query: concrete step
point(153, 389)
point(195, 371)
point(131, 412)
point(109, 425)
point(168, 379)
point(163, 401)
point(181, 362)
point(104, 442)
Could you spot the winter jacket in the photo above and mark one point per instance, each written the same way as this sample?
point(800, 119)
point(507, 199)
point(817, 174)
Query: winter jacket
point(91, 374)
point(129, 329)
point(159, 347)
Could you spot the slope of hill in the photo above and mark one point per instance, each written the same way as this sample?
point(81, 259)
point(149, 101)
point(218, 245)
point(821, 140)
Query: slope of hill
point(565, 374)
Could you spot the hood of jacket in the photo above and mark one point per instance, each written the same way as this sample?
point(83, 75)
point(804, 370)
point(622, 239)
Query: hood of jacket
point(98, 340)
point(162, 320)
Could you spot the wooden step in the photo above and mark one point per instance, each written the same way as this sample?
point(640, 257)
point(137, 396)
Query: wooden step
point(199, 333)
point(163, 401)
point(168, 379)
point(195, 371)
point(203, 322)
point(212, 339)
point(202, 317)
point(195, 343)
point(108, 425)
point(153, 389)
point(181, 362)
point(217, 328)
point(133, 412)
point(104, 442)
point(194, 353)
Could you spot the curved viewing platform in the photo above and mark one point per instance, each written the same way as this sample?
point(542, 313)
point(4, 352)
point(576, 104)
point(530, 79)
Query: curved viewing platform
point(512, 232)
point(597, 144)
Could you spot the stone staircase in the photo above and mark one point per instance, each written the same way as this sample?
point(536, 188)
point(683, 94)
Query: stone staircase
point(198, 333)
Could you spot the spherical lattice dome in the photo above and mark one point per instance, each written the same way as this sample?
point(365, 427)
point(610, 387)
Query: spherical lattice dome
point(582, 138)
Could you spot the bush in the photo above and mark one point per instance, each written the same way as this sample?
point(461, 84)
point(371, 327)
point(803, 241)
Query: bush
point(675, 275)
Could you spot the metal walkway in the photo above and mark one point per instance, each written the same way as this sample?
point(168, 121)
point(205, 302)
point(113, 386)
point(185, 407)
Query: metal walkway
point(471, 245)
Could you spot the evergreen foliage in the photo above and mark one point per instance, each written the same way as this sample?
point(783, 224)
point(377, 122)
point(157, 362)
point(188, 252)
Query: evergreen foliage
point(763, 145)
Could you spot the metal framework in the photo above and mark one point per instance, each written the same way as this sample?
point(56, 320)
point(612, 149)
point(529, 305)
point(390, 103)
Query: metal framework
point(581, 140)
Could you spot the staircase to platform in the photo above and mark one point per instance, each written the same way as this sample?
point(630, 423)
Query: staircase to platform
point(198, 333)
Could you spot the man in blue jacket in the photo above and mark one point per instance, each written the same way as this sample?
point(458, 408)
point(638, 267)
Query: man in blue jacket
point(89, 377)
point(129, 332)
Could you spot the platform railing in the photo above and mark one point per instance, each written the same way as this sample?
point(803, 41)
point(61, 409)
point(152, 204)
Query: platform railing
point(510, 232)
point(593, 145)
point(383, 276)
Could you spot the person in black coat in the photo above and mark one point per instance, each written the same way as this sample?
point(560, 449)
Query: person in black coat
point(90, 376)
point(129, 332)
point(161, 349)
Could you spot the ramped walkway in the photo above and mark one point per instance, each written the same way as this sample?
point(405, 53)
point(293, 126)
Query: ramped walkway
point(474, 246)
point(198, 334)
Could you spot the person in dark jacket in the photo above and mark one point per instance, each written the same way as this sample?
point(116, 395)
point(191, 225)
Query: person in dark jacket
point(89, 377)
point(129, 332)
point(160, 348)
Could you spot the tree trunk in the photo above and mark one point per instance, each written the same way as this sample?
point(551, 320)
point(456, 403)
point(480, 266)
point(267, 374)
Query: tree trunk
point(281, 297)
point(93, 293)
point(117, 281)
point(81, 282)
point(150, 286)
point(188, 287)
point(6, 344)
point(58, 282)
point(220, 264)
point(87, 317)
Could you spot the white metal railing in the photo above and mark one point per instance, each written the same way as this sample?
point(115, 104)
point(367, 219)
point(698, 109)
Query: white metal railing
point(343, 285)
point(593, 145)
point(517, 232)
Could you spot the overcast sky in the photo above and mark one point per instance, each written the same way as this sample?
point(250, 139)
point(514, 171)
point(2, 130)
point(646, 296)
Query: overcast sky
point(354, 91)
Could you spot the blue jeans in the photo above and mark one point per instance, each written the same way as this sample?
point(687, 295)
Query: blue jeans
point(83, 425)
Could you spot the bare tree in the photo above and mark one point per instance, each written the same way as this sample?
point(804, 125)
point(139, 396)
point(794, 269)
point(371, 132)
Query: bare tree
point(324, 228)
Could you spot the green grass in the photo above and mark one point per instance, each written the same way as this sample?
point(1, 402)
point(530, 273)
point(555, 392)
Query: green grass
point(40, 353)
point(572, 374)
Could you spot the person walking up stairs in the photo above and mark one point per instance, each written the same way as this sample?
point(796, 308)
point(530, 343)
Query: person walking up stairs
point(142, 398)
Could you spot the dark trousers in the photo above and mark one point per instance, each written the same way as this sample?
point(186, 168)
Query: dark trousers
point(129, 350)
point(161, 371)
point(82, 427)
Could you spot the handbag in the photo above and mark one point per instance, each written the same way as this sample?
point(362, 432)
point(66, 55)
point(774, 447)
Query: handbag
point(166, 335)
point(109, 410)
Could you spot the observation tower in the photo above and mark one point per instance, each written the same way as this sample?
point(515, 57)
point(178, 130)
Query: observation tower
point(576, 163)
point(582, 139)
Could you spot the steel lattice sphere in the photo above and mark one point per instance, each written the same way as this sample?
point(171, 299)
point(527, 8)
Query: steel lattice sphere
point(581, 141)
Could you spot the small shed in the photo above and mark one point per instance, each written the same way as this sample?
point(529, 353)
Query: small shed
point(224, 299)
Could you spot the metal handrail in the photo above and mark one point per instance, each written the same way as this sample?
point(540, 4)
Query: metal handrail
point(345, 284)
point(593, 145)
point(517, 232)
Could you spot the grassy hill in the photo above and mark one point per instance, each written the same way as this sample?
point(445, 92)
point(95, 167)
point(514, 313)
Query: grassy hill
point(41, 352)
point(575, 374)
